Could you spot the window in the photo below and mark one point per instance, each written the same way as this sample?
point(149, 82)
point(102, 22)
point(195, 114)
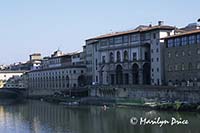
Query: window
point(183, 53)
point(154, 35)
point(125, 56)
point(198, 65)
point(111, 57)
point(169, 68)
point(176, 67)
point(169, 54)
point(125, 39)
point(189, 52)
point(147, 36)
point(182, 66)
point(134, 56)
point(184, 41)
point(192, 39)
point(190, 66)
point(103, 59)
point(176, 54)
point(134, 38)
point(146, 56)
point(177, 42)
point(118, 40)
point(97, 79)
point(170, 43)
point(118, 56)
point(157, 50)
point(157, 69)
point(198, 38)
point(198, 51)
point(157, 59)
point(111, 41)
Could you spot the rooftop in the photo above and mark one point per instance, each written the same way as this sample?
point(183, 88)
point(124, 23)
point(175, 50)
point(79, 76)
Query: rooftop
point(137, 30)
point(183, 34)
point(12, 71)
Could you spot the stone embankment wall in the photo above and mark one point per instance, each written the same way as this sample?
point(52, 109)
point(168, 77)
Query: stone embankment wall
point(143, 92)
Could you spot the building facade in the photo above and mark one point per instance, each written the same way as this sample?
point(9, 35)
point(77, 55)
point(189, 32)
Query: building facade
point(58, 73)
point(130, 57)
point(51, 80)
point(182, 59)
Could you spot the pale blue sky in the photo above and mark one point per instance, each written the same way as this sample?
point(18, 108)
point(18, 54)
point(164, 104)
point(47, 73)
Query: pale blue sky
point(28, 26)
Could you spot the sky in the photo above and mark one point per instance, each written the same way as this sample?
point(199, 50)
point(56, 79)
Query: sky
point(32, 26)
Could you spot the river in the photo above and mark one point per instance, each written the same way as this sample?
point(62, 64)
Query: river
point(40, 117)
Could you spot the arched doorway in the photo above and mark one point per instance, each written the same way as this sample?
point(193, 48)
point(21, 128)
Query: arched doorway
point(81, 81)
point(119, 75)
point(146, 73)
point(135, 73)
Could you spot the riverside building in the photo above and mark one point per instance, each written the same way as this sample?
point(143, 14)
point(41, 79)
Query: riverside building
point(59, 73)
point(129, 57)
point(182, 58)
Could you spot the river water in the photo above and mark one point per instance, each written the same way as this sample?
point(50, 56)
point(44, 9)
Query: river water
point(40, 117)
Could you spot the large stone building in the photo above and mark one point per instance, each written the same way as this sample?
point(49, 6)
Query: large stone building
point(182, 58)
point(130, 57)
point(58, 73)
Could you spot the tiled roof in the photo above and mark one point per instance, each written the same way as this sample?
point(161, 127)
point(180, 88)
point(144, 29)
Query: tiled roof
point(61, 67)
point(183, 34)
point(12, 71)
point(133, 31)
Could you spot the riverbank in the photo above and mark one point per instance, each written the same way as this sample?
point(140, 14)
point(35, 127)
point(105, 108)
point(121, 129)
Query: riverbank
point(123, 102)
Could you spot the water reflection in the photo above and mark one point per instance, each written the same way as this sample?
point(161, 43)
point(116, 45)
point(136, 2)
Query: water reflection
point(41, 117)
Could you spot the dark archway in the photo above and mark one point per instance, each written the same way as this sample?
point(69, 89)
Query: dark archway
point(146, 73)
point(135, 73)
point(81, 81)
point(119, 75)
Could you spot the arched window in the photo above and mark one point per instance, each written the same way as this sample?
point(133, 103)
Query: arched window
point(111, 57)
point(125, 56)
point(118, 56)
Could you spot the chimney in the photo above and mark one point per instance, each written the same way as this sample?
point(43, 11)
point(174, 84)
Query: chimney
point(160, 23)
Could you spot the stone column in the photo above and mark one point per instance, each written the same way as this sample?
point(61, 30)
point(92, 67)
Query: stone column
point(140, 76)
point(130, 78)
